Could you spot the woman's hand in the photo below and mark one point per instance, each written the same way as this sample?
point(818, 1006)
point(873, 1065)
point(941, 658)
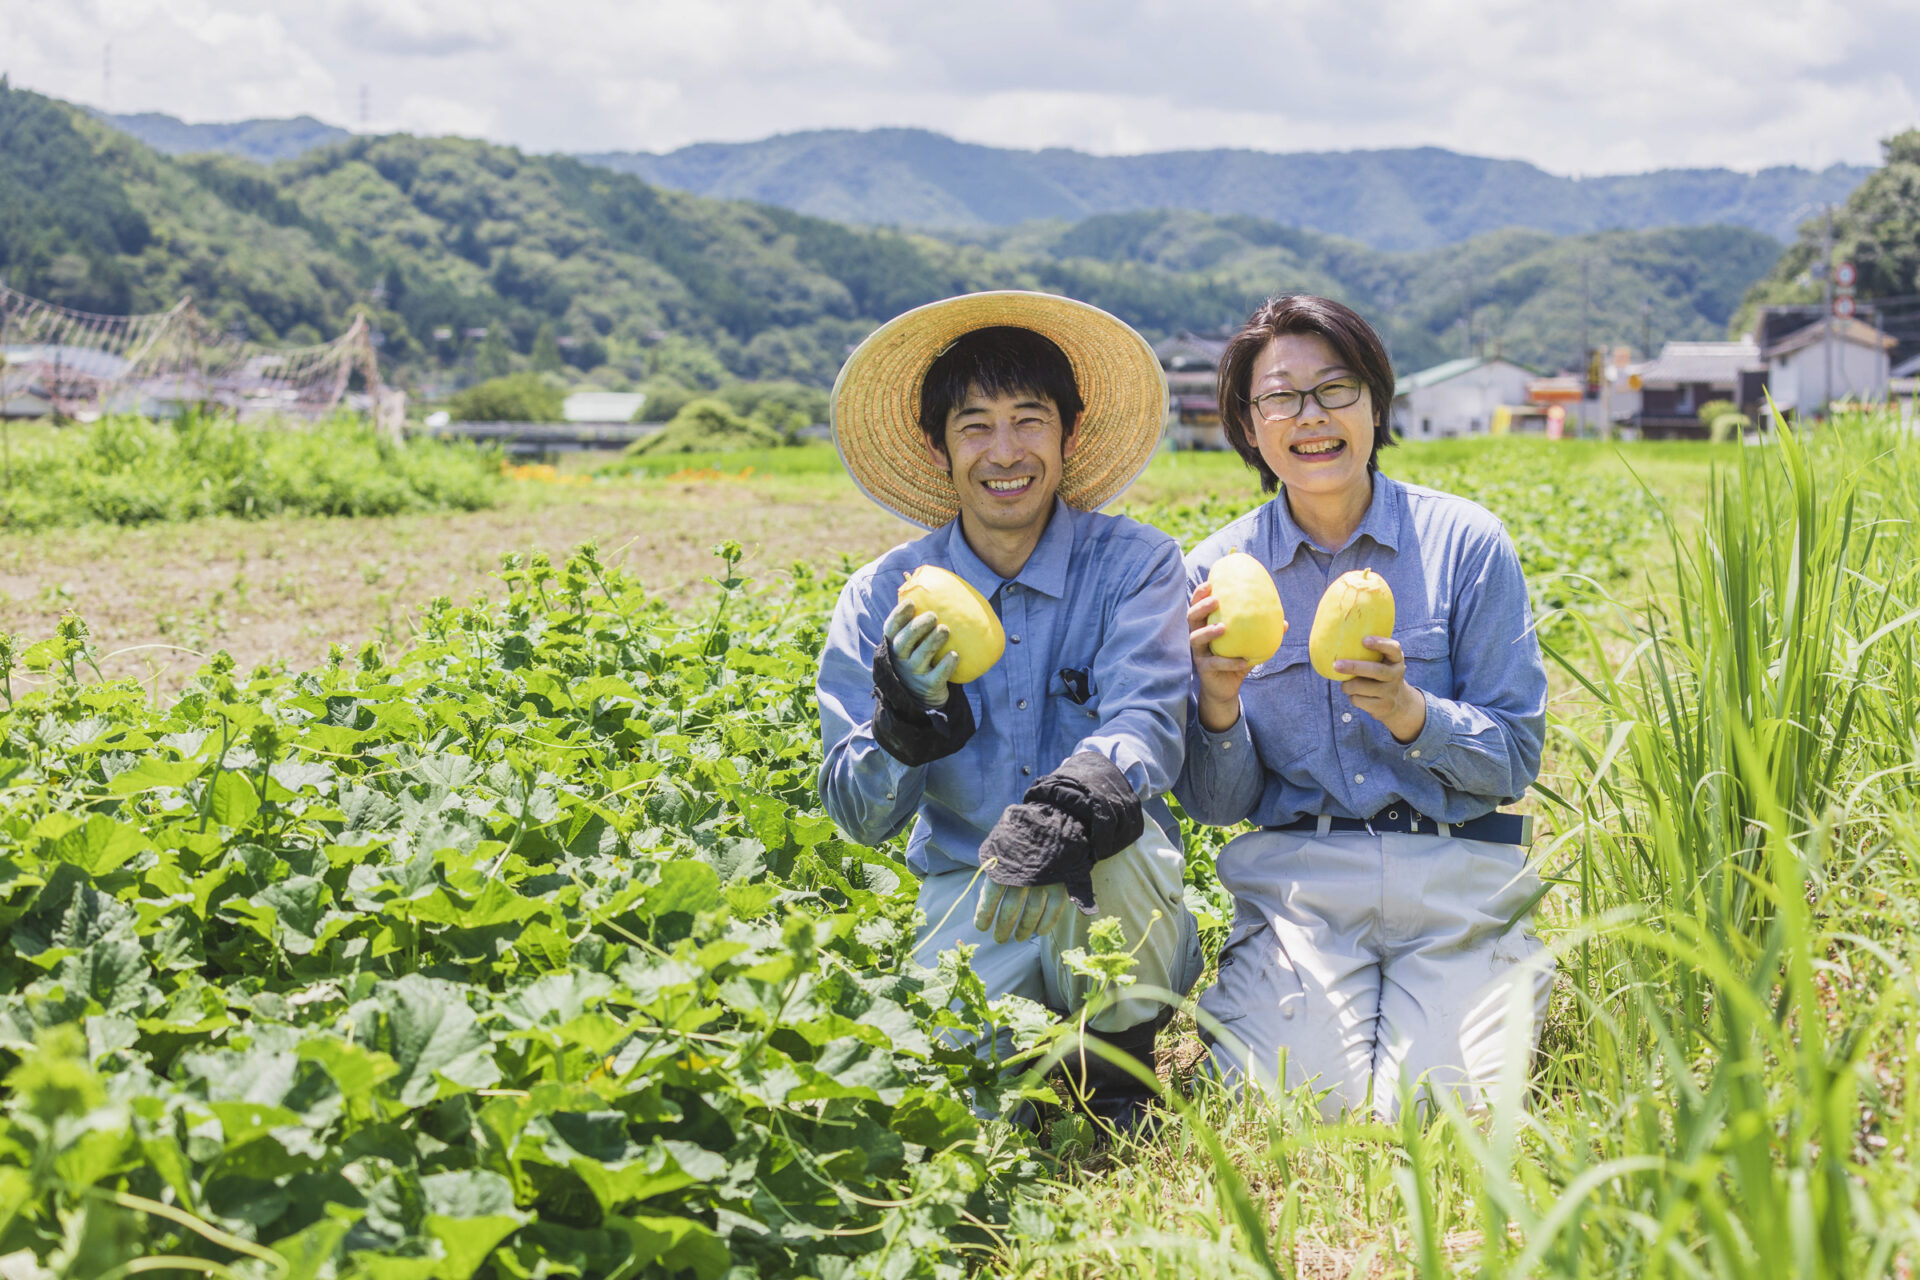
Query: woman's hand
point(1381, 690)
point(1219, 677)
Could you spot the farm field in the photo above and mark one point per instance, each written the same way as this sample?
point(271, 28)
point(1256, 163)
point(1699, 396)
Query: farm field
point(508, 939)
point(163, 596)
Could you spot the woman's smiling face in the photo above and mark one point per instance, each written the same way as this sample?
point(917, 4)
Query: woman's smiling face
point(1317, 451)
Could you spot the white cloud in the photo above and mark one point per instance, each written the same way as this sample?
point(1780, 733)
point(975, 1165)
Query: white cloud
point(1616, 86)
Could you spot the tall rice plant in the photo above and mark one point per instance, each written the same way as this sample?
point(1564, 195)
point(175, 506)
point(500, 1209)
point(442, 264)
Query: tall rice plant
point(1727, 1085)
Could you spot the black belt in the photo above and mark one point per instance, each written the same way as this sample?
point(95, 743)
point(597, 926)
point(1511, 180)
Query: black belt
point(1495, 828)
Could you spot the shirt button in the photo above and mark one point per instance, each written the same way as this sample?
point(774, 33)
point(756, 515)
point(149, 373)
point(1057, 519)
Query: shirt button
point(1026, 771)
point(1023, 704)
point(1015, 639)
point(1226, 746)
point(1346, 717)
point(1415, 754)
point(1359, 777)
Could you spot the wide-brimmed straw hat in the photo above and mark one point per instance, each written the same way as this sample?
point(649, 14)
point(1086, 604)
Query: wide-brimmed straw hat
point(876, 400)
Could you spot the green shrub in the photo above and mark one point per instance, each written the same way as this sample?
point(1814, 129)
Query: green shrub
point(707, 426)
point(1713, 410)
point(124, 470)
point(1728, 426)
point(665, 398)
point(518, 397)
point(787, 407)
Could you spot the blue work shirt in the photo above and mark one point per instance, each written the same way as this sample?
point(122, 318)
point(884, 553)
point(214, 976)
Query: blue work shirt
point(1301, 748)
point(1100, 594)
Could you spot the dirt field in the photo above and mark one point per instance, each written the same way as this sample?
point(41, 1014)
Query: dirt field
point(161, 598)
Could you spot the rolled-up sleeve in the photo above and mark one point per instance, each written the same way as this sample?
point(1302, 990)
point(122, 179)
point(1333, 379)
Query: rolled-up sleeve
point(870, 795)
point(1486, 740)
point(1142, 671)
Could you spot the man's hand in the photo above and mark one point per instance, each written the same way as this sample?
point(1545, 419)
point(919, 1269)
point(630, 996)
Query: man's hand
point(917, 639)
point(1381, 690)
point(1219, 678)
point(1018, 912)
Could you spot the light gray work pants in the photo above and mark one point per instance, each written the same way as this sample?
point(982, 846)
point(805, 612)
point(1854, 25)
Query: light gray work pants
point(1369, 959)
point(1147, 876)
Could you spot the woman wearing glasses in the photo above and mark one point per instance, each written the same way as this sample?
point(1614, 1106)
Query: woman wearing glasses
point(1380, 940)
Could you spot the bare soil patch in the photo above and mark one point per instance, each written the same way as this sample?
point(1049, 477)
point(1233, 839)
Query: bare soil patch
point(160, 599)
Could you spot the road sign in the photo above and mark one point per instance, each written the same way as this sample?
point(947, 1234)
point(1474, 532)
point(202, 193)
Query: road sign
point(1843, 307)
point(1843, 275)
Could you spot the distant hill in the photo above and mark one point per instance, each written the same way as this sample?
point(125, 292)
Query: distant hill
point(1411, 199)
point(264, 141)
point(1407, 199)
point(1878, 230)
point(467, 254)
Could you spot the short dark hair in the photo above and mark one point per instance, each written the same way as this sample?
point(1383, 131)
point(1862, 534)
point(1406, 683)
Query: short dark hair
point(1001, 360)
point(1354, 341)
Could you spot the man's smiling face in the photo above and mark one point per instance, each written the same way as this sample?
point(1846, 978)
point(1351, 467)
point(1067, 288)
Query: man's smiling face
point(1006, 453)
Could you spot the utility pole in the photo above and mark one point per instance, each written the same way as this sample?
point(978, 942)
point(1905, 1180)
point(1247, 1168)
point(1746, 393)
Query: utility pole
point(363, 106)
point(6, 420)
point(1586, 348)
point(106, 77)
point(1826, 276)
point(1466, 312)
point(1646, 329)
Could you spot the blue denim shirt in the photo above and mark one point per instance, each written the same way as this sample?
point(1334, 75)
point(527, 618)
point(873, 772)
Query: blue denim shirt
point(1301, 748)
point(1100, 594)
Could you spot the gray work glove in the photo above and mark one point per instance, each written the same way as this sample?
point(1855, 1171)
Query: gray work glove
point(916, 640)
point(1018, 912)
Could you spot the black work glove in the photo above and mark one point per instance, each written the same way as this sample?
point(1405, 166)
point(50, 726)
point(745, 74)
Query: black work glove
point(1082, 813)
point(904, 726)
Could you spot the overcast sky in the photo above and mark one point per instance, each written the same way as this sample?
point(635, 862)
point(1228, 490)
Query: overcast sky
point(1579, 88)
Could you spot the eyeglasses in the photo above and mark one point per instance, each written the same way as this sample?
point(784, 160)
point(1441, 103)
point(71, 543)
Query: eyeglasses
point(1334, 393)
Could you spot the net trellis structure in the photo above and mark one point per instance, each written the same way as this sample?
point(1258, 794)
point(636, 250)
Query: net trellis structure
point(81, 364)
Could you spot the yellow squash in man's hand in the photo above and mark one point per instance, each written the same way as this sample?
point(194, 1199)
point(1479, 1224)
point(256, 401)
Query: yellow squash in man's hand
point(973, 629)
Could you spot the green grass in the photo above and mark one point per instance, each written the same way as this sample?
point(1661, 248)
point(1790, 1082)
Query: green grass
point(126, 470)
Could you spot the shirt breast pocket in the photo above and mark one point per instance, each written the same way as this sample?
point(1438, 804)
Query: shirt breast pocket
point(1285, 703)
point(1073, 715)
point(1429, 655)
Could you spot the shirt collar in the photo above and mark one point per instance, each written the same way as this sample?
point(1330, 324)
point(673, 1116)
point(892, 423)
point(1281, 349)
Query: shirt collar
point(1045, 570)
point(1380, 523)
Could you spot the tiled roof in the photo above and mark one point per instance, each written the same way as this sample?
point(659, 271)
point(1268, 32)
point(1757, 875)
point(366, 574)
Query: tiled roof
point(1709, 362)
point(1858, 332)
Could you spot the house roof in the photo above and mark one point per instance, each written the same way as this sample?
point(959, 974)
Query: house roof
point(1715, 363)
point(1908, 368)
point(1186, 350)
point(1451, 369)
point(1858, 332)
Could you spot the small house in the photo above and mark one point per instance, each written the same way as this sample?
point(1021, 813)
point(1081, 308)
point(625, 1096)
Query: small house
point(1458, 398)
point(1686, 375)
point(1192, 365)
point(1828, 360)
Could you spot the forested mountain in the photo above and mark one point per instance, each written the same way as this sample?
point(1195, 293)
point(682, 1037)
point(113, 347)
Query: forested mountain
point(1416, 198)
point(1878, 230)
point(264, 141)
point(558, 259)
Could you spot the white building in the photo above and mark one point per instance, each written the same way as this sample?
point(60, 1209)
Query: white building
point(1457, 398)
point(602, 406)
point(1803, 382)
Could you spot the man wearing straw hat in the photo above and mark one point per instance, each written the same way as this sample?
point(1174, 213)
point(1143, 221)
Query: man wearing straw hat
point(1001, 422)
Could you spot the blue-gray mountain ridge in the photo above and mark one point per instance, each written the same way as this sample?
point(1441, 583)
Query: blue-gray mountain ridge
point(1409, 199)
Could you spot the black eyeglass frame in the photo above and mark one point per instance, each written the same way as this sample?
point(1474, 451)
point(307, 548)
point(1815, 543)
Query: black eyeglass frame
point(1258, 403)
